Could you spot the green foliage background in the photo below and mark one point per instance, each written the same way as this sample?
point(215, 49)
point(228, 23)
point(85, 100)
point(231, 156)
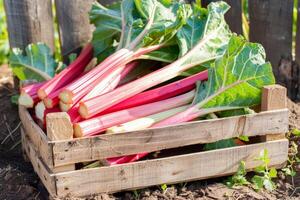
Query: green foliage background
point(4, 46)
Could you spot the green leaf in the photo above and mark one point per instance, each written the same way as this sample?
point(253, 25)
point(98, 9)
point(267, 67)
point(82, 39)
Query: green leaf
point(220, 144)
point(164, 187)
point(273, 173)
point(260, 169)
point(166, 54)
point(244, 138)
point(35, 63)
point(107, 22)
point(237, 78)
point(258, 182)
point(205, 36)
point(14, 99)
point(296, 132)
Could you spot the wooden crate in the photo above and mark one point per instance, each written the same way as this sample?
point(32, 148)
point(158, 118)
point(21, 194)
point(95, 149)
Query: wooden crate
point(54, 161)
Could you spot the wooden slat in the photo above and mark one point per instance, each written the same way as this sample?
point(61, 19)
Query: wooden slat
point(271, 25)
point(59, 127)
point(37, 136)
point(274, 97)
point(29, 21)
point(169, 170)
point(87, 149)
point(39, 167)
point(74, 27)
point(233, 16)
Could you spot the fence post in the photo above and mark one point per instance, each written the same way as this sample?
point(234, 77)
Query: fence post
point(73, 21)
point(233, 16)
point(29, 21)
point(271, 25)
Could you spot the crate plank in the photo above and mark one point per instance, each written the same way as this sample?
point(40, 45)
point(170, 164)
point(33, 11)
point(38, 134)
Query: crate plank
point(169, 170)
point(103, 146)
point(273, 97)
point(38, 165)
point(29, 21)
point(233, 16)
point(271, 25)
point(37, 136)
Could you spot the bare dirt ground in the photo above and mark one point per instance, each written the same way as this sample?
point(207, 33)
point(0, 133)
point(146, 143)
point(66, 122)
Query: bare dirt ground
point(18, 180)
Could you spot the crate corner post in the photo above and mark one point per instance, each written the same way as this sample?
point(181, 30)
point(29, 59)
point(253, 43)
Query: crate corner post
point(59, 127)
point(274, 97)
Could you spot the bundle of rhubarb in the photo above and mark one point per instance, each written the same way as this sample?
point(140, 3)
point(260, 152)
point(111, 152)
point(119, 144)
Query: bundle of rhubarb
point(159, 63)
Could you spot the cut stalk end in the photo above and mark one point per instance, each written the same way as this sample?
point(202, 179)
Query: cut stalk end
point(26, 100)
point(64, 106)
point(66, 96)
point(83, 111)
point(48, 103)
point(77, 131)
point(42, 94)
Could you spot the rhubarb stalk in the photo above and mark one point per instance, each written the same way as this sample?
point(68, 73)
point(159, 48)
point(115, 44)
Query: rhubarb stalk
point(28, 94)
point(99, 124)
point(68, 74)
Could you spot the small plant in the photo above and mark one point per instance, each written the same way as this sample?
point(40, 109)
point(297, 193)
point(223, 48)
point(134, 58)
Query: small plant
point(293, 159)
point(239, 178)
point(164, 187)
point(265, 175)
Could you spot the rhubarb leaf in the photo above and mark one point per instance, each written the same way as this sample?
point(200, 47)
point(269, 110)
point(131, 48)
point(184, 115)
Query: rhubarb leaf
point(36, 62)
point(107, 22)
point(165, 54)
point(237, 78)
point(157, 22)
point(205, 36)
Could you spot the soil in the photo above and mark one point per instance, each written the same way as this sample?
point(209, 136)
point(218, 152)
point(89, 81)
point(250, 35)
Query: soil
point(18, 180)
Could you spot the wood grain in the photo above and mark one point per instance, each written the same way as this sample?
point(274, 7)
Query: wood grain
point(37, 136)
point(38, 165)
point(74, 27)
point(29, 21)
point(59, 127)
point(105, 146)
point(271, 25)
point(168, 170)
point(273, 98)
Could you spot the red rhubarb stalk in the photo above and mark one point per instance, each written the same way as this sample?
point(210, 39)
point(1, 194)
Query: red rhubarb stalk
point(68, 74)
point(161, 93)
point(99, 124)
point(110, 83)
point(100, 103)
point(28, 94)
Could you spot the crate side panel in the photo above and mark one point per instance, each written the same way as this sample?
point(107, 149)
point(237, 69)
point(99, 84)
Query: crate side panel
point(104, 146)
point(37, 136)
point(175, 169)
point(38, 165)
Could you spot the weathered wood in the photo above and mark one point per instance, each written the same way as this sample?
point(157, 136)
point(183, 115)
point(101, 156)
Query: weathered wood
point(29, 21)
point(59, 127)
point(233, 16)
point(37, 136)
point(297, 58)
point(168, 170)
point(271, 25)
point(39, 167)
point(105, 146)
point(74, 27)
point(273, 98)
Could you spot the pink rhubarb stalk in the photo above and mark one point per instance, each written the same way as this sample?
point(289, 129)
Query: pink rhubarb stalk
point(28, 94)
point(108, 84)
point(99, 124)
point(101, 103)
point(68, 74)
point(161, 93)
point(78, 89)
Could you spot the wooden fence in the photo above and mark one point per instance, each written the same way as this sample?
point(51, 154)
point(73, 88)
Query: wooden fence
point(271, 21)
